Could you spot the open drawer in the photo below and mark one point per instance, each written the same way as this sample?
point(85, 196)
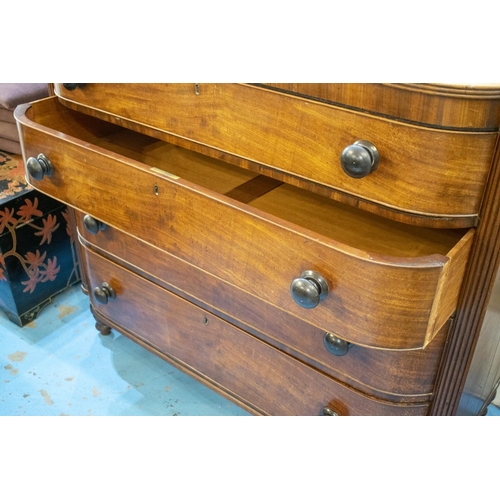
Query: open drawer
point(368, 280)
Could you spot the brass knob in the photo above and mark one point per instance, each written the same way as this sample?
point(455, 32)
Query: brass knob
point(39, 167)
point(335, 346)
point(328, 412)
point(360, 159)
point(73, 86)
point(93, 226)
point(104, 293)
point(309, 290)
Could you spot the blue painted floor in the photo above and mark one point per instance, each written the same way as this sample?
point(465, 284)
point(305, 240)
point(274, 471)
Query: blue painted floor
point(493, 411)
point(60, 365)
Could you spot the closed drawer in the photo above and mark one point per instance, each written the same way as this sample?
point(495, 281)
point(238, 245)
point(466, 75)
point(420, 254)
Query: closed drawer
point(389, 285)
point(473, 107)
point(248, 370)
point(439, 173)
point(400, 376)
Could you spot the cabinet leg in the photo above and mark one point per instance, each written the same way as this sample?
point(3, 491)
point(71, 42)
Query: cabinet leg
point(101, 327)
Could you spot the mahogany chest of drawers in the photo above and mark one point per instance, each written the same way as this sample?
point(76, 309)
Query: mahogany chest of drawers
point(304, 249)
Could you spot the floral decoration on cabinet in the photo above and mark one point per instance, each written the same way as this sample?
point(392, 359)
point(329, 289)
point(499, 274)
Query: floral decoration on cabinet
point(40, 265)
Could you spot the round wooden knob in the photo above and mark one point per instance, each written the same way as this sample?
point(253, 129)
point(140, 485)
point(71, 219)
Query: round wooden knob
point(39, 167)
point(335, 346)
point(73, 86)
point(93, 226)
point(104, 293)
point(360, 159)
point(309, 290)
point(328, 412)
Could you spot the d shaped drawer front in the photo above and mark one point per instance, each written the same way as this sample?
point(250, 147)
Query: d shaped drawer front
point(397, 300)
point(264, 378)
point(421, 171)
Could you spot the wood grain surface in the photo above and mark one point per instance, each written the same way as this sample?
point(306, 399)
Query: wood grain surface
point(264, 378)
point(218, 196)
point(377, 300)
point(400, 376)
point(477, 301)
point(447, 106)
point(422, 170)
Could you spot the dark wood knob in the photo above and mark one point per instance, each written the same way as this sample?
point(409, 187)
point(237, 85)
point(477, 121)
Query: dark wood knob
point(93, 226)
point(104, 293)
point(73, 86)
point(309, 290)
point(360, 159)
point(335, 346)
point(328, 412)
point(39, 167)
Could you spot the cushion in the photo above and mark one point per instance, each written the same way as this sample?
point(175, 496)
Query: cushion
point(12, 94)
point(10, 146)
point(9, 131)
point(7, 115)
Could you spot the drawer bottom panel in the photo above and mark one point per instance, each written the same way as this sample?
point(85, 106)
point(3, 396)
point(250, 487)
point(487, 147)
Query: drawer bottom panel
point(233, 362)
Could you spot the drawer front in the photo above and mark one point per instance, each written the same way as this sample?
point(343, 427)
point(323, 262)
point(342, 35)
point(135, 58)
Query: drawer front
point(451, 106)
point(421, 171)
point(400, 376)
point(395, 303)
point(225, 357)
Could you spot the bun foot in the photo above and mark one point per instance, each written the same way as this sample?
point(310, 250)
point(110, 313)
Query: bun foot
point(102, 328)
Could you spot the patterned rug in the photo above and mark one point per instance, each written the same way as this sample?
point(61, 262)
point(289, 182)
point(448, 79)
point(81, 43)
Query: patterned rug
point(12, 176)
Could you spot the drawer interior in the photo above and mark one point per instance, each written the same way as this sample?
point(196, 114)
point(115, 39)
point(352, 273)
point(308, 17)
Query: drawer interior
point(323, 216)
point(177, 162)
point(319, 214)
point(355, 227)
